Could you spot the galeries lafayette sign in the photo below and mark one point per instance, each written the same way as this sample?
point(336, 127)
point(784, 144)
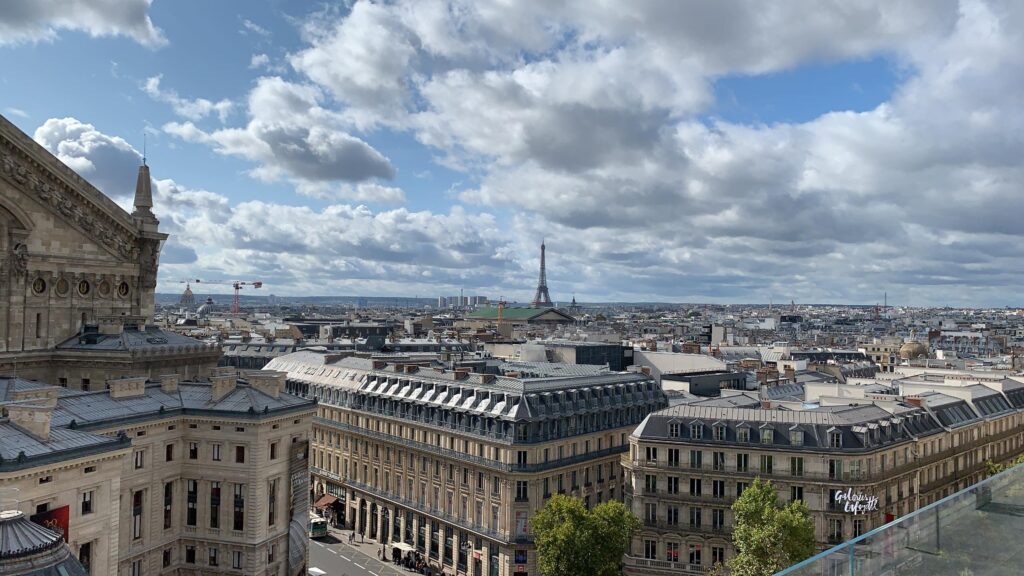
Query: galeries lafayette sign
point(855, 502)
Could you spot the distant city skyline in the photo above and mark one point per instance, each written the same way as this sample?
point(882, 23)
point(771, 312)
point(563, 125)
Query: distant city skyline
point(721, 152)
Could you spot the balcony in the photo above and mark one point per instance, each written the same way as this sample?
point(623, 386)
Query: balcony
point(636, 565)
point(973, 531)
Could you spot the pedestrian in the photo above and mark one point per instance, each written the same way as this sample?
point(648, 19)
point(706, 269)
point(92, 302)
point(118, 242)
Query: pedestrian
point(362, 538)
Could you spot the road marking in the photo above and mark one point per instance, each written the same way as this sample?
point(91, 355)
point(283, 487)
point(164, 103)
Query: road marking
point(345, 557)
point(332, 551)
point(359, 566)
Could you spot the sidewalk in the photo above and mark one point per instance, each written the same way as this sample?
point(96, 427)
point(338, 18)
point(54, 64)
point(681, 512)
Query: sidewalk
point(368, 546)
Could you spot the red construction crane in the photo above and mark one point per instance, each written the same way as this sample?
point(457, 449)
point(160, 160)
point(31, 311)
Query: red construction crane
point(236, 284)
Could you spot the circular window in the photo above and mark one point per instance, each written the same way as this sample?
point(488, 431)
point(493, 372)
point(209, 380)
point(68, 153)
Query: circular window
point(122, 289)
point(83, 287)
point(62, 287)
point(38, 286)
point(104, 289)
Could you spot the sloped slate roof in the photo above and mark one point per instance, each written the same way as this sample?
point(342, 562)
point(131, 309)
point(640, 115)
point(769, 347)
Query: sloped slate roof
point(513, 313)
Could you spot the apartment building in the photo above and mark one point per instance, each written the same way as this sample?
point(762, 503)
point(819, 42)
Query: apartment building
point(184, 478)
point(857, 455)
point(453, 463)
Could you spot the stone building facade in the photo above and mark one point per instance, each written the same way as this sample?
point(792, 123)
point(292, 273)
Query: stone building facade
point(181, 478)
point(858, 459)
point(454, 463)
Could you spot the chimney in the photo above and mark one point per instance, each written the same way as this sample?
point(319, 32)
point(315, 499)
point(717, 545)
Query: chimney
point(914, 401)
point(766, 404)
point(222, 386)
point(127, 387)
point(645, 370)
point(461, 373)
point(269, 382)
point(791, 374)
point(169, 383)
point(481, 378)
point(379, 364)
point(38, 396)
point(32, 418)
point(411, 368)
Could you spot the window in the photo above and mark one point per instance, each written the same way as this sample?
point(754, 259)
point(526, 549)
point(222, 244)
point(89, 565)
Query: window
point(270, 553)
point(521, 457)
point(695, 486)
point(137, 515)
point(651, 549)
point(743, 434)
point(168, 500)
point(214, 504)
point(718, 488)
point(521, 556)
point(85, 556)
point(796, 466)
point(695, 517)
point(652, 454)
point(272, 501)
point(672, 551)
point(796, 437)
point(137, 568)
point(193, 450)
point(673, 485)
point(651, 512)
point(216, 452)
point(190, 554)
point(740, 487)
point(796, 493)
point(140, 459)
point(858, 528)
point(191, 498)
point(672, 515)
point(673, 457)
point(696, 431)
point(86, 502)
point(767, 435)
point(835, 530)
point(718, 460)
point(767, 463)
point(236, 560)
point(166, 557)
point(835, 469)
point(213, 557)
point(650, 484)
point(169, 453)
point(673, 430)
point(717, 555)
point(717, 518)
point(695, 554)
point(273, 452)
point(521, 491)
point(238, 520)
point(718, 432)
point(742, 462)
point(835, 439)
point(696, 459)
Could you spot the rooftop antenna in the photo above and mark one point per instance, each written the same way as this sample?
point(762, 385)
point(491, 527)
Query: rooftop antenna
point(143, 147)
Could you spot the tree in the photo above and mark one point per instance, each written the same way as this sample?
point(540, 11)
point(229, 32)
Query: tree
point(768, 537)
point(572, 541)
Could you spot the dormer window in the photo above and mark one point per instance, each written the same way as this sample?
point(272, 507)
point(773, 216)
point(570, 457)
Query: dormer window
point(796, 437)
point(673, 430)
point(696, 431)
point(835, 440)
point(767, 436)
point(719, 432)
point(743, 434)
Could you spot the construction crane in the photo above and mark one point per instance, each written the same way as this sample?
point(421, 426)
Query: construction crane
point(236, 306)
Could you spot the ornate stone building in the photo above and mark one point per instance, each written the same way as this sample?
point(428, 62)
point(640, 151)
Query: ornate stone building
point(72, 261)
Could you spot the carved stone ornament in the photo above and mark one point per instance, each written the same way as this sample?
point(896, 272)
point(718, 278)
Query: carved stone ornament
point(149, 261)
point(18, 260)
point(67, 201)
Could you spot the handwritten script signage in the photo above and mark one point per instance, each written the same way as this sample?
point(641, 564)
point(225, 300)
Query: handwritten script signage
point(855, 502)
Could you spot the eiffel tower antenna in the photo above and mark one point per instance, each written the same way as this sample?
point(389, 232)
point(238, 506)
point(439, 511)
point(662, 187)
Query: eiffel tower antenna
point(541, 298)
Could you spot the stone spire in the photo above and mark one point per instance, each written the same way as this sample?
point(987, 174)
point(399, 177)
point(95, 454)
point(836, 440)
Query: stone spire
point(144, 194)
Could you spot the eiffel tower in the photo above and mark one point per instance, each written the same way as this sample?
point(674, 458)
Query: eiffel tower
point(542, 299)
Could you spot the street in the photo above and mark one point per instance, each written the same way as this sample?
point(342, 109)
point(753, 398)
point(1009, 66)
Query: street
point(336, 557)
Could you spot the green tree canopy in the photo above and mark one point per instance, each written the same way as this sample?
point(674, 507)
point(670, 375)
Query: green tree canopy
point(768, 537)
point(572, 541)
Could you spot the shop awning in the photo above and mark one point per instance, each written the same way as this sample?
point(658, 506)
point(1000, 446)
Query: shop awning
point(325, 501)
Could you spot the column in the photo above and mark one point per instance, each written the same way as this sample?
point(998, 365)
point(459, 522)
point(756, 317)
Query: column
point(358, 520)
point(380, 523)
point(401, 525)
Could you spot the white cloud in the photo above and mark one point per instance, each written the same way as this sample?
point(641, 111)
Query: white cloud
point(195, 109)
point(250, 27)
point(12, 111)
point(41, 20)
point(259, 61)
point(290, 136)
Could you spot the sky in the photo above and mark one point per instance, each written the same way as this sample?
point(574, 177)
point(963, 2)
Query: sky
point(716, 151)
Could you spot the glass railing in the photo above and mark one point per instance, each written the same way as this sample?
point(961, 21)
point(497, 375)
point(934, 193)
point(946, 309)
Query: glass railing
point(970, 533)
